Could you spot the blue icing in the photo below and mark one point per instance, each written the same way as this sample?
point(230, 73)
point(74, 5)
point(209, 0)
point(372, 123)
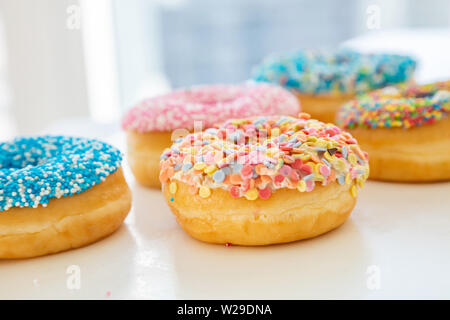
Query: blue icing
point(344, 71)
point(36, 169)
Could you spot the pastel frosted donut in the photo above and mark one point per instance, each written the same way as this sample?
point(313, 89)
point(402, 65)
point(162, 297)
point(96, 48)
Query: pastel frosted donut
point(58, 193)
point(405, 129)
point(150, 125)
point(323, 81)
point(263, 180)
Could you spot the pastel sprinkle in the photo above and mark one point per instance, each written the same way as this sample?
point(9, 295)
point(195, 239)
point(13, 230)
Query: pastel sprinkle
point(310, 185)
point(257, 164)
point(285, 170)
point(265, 193)
point(219, 176)
point(247, 171)
point(204, 192)
point(279, 178)
point(252, 194)
point(324, 170)
point(200, 166)
point(173, 187)
point(235, 192)
point(301, 186)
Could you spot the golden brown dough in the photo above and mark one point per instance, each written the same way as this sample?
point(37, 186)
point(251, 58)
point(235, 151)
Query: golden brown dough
point(417, 154)
point(322, 107)
point(144, 151)
point(66, 223)
point(287, 215)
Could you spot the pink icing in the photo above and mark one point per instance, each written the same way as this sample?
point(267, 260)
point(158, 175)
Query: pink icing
point(209, 104)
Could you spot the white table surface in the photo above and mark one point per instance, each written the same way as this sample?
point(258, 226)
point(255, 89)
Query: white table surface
point(401, 229)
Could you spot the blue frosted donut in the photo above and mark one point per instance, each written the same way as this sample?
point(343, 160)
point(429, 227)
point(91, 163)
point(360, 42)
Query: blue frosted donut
point(35, 170)
point(347, 72)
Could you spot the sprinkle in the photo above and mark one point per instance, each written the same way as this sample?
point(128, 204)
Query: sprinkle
point(354, 191)
point(352, 159)
point(348, 178)
point(35, 170)
point(324, 170)
point(200, 166)
point(265, 193)
point(401, 106)
point(210, 104)
point(236, 167)
point(219, 176)
point(285, 170)
point(235, 178)
point(247, 172)
point(251, 194)
point(310, 185)
point(257, 168)
point(297, 164)
point(210, 169)
point(235, 192)
point(346, 71)
point(173, 188)
point(344, 152)
point(186, 166)
point(204, 192)
point(301, 186)
point(278, 179)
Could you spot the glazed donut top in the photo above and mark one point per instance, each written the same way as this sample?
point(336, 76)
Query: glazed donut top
point(342, 72)
point(35, 170)
point(253, 157)
point(208, 104)
point(397, 107)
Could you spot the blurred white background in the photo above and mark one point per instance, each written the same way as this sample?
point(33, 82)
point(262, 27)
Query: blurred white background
point(78, 65)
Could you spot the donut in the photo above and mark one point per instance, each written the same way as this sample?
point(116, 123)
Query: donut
point(153, 124)
point(323, 81)
point(263, 180)
point(58, 193)
point(405, 129)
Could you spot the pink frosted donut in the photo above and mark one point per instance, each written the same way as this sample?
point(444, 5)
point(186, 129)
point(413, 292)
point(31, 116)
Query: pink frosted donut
point(209, 104)
point(150, 124)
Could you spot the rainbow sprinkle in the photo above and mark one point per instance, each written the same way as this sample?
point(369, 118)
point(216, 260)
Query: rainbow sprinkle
point(397, 107)
point(344, 71)
point(254, 157)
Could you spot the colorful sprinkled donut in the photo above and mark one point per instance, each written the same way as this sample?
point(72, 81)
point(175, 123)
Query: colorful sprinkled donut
point(263, 180)
point(405, 129)
point(58, 193)
point(152, 124)
point(325, 80)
